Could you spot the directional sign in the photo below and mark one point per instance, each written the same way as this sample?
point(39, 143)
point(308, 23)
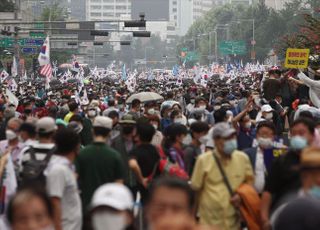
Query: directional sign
point(37, 34)
point(232, 47)
point(29, 50)
point(9, 42)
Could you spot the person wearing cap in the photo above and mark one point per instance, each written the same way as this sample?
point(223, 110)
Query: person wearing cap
point(97, 163)
point(112, 208)
point(45, 128)
point(216, 206)
point(61, 184)
point(302, 213)
point(124, 143)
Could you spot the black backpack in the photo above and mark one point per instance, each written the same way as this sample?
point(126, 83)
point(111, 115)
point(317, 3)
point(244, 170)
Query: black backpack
point(33, 170)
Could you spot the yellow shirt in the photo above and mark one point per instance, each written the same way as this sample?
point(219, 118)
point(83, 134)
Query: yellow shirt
point(214, 199)
point(68, 117)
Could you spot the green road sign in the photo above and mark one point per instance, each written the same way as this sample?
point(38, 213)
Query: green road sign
point(9, 42)
point(232, 47)
point(38, 25)
point(192, 56)
point(36, 34)
point(6, 42)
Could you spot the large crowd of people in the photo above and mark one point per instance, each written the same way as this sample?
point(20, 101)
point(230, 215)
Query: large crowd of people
point(235, 152)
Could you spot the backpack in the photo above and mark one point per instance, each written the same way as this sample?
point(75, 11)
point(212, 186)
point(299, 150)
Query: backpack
point(168, 168)
point(33, 169)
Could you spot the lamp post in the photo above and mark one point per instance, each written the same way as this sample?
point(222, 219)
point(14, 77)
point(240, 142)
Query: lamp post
point(145, 54)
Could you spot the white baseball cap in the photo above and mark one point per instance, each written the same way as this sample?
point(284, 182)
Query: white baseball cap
point(114, 195)
point(266, 108)
point(103, 122)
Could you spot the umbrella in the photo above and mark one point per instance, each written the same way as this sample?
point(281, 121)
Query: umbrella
point(145, 96)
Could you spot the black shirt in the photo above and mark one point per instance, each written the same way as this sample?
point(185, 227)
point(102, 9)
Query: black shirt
point(284, 177)
point(147, 157)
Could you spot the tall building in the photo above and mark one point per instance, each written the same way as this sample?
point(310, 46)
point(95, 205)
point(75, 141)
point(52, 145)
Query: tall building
point(78, 10)
point(276, 4)
point(200, 7)
point(107, 9)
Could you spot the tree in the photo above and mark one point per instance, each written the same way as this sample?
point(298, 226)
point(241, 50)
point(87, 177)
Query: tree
point(53, 13)
point(6, 6)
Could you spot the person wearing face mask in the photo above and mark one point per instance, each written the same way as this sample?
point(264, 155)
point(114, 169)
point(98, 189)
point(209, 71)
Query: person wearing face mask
point(266, 132)
point(216, 206)
point(200, 109)
point(83, 128)
point(198, 132)
point(178, 118)
point(268, 113)
point(284, 179)
point(112, 208)
point(174, 135)
point(124, 143)
point(297, 212)
point(158, 136)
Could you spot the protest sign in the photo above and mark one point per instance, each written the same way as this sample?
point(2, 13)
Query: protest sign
point(297, 58)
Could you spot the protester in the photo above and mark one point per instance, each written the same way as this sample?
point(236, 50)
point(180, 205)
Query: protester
point(199, 132)
point(30, 210)
point(61, 182)
point(169, 198)
point(97, 163)
point(124, 143)
point(112, 208)
point(216, 207)
point(144, 160)
point(283, 181)
point(266, 133)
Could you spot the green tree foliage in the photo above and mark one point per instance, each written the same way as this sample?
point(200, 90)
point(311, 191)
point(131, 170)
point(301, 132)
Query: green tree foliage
point(53, 13)
point(270, 26)
point(6, 6)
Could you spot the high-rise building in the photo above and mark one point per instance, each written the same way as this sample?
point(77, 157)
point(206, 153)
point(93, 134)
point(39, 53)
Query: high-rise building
point(276, 4)
point(107, 9)
point(200, 7)
point(78, 10)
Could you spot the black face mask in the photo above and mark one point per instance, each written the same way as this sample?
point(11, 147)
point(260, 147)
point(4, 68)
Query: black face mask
point(27, 111)
point(127, 129)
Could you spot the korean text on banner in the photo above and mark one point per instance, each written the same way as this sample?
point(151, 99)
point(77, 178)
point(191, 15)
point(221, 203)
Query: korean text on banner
point(297, 58)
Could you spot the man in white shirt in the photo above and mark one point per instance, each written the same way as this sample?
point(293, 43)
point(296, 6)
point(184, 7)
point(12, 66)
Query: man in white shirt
point(61, 182)
point(265, 136)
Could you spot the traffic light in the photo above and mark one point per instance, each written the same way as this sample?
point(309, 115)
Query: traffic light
point(98, 43)
point(125, 43)
point(99, 33)
point(142, 34)
point(72, 43)
point(135, 23)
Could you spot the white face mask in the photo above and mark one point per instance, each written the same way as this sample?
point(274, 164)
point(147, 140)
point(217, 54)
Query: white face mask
point(10, 135)
point(216, 107)
point(92, 113)
point(269, 116)
point(265, 143)
point(247, 125)
point(203, 140)
point(155, 126)
point(108, 220)
point(181, 121)
point(202, 107)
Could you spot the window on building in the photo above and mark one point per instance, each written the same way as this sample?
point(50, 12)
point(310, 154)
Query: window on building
point(95, 14)
point(95, 7)
point(174, 10)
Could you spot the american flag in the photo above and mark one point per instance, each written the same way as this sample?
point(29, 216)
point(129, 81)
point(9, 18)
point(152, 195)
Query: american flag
point(46, 70)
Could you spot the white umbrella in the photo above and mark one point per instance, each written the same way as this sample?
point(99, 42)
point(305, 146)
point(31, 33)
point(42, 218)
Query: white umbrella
point(145, 96)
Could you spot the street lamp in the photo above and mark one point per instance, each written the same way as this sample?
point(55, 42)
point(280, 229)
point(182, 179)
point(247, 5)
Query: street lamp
point(145, 54)
point(253, 42)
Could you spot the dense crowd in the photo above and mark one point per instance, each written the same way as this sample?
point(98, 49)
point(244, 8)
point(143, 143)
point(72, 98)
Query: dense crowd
point(241, 151)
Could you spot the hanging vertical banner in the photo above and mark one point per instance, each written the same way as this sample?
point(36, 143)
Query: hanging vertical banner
point(297, 58)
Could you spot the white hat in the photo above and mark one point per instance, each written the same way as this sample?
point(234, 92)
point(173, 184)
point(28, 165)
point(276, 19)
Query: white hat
point(103, 122)
point(266, 108)
point(113, 195)
point(46, 125)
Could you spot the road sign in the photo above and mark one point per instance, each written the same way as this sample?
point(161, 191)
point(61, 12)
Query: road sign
point(232, 47)
point(29, 50)
point(297, 58)
point(9, 42)
point(6, 42)
point(37, 34)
